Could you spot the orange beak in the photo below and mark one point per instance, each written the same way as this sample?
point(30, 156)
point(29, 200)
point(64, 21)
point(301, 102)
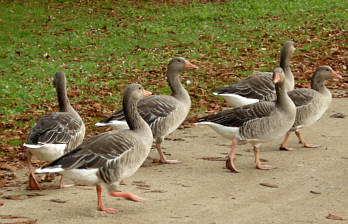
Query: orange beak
point(189, 65)
point(147, 93)
point(276, 77)
point(336, 75)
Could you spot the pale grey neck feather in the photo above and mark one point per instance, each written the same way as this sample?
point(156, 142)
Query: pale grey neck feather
point(178, 91)
point(63, 100)
point(284, 102)
point(284, 64)
point(324, 91)
point(134, 120)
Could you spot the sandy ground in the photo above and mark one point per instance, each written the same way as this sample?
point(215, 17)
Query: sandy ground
point(203, 191)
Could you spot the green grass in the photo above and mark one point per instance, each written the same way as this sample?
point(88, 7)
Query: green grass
point(105, 45)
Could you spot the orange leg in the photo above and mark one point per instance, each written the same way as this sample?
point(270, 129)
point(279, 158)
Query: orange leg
point(163, 158)
point(127, 196)
point(100, 203)
point(283, 145)
point(229, 161)
point(33, 184)
point(303, 142)
point(258, 162)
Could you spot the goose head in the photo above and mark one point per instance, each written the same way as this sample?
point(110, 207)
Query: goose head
point(180, 64)
point(135, 92)
point(288, 48)
point(278, 76)
point(322, 74)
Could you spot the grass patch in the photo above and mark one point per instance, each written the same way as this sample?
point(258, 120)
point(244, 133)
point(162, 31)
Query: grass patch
point(105, 45)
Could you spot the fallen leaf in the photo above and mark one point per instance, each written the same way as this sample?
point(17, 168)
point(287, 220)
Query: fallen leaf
point(13, 197)
point(143, 186)
point(12, 217)
point(138, 182)
point(175, 139)
point(155, 191)
point(26, 222)
point(5, 166)
point(58, 201)
point(218, 158)
point(338, 115)
point(315, 192)
point(334, 217)
point(269, 185)
point(155, 160)
point(34, 195)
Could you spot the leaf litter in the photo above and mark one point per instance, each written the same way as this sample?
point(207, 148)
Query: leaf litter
point(214, 73)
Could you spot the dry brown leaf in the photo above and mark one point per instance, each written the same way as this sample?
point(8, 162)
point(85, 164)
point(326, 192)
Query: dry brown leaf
point(218, 158)
point(269, 185)
point(138, 182)
point(334, 217)
point(13, 197)
point(5, 166)
point(155, 191)
point(12, 217)
point(26, 222)
point(34, 195)
point(58, 201)
point(154, 160)
point(338, 115)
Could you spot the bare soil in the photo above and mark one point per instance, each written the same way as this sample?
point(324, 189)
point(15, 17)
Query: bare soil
point(308, 184)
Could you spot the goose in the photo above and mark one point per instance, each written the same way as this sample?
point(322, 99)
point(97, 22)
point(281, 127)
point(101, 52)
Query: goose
point(163, 113)
point(255, 123)
point(54, 134)
point(259, 87)
point(106, 159)
point(311, 104)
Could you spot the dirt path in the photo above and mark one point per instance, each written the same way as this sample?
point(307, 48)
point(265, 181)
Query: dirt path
point(203, 191)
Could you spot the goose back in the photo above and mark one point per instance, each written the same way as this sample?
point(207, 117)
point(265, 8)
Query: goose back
point(56, 133)
point(109, 157)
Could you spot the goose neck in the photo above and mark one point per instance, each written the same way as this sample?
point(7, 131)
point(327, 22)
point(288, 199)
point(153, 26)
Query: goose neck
point(63, 100)
point(321, 88)
point(133, 118)
point(178, 91)
point(283, 99)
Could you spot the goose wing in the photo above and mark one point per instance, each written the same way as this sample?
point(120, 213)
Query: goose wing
point(258, 86)
point(238, 116)
point(301, 97)
point(96, 151)
point(54, 128)
point(150, 108)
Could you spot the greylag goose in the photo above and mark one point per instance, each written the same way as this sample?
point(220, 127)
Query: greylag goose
point(259, 87)
point(107, 158)
point(54, 134)
point(255, 123)
point(311, 104)
point(163, 113)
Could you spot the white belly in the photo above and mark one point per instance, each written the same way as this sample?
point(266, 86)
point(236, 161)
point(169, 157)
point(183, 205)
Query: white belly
point(47, 152)
point(83, 176)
